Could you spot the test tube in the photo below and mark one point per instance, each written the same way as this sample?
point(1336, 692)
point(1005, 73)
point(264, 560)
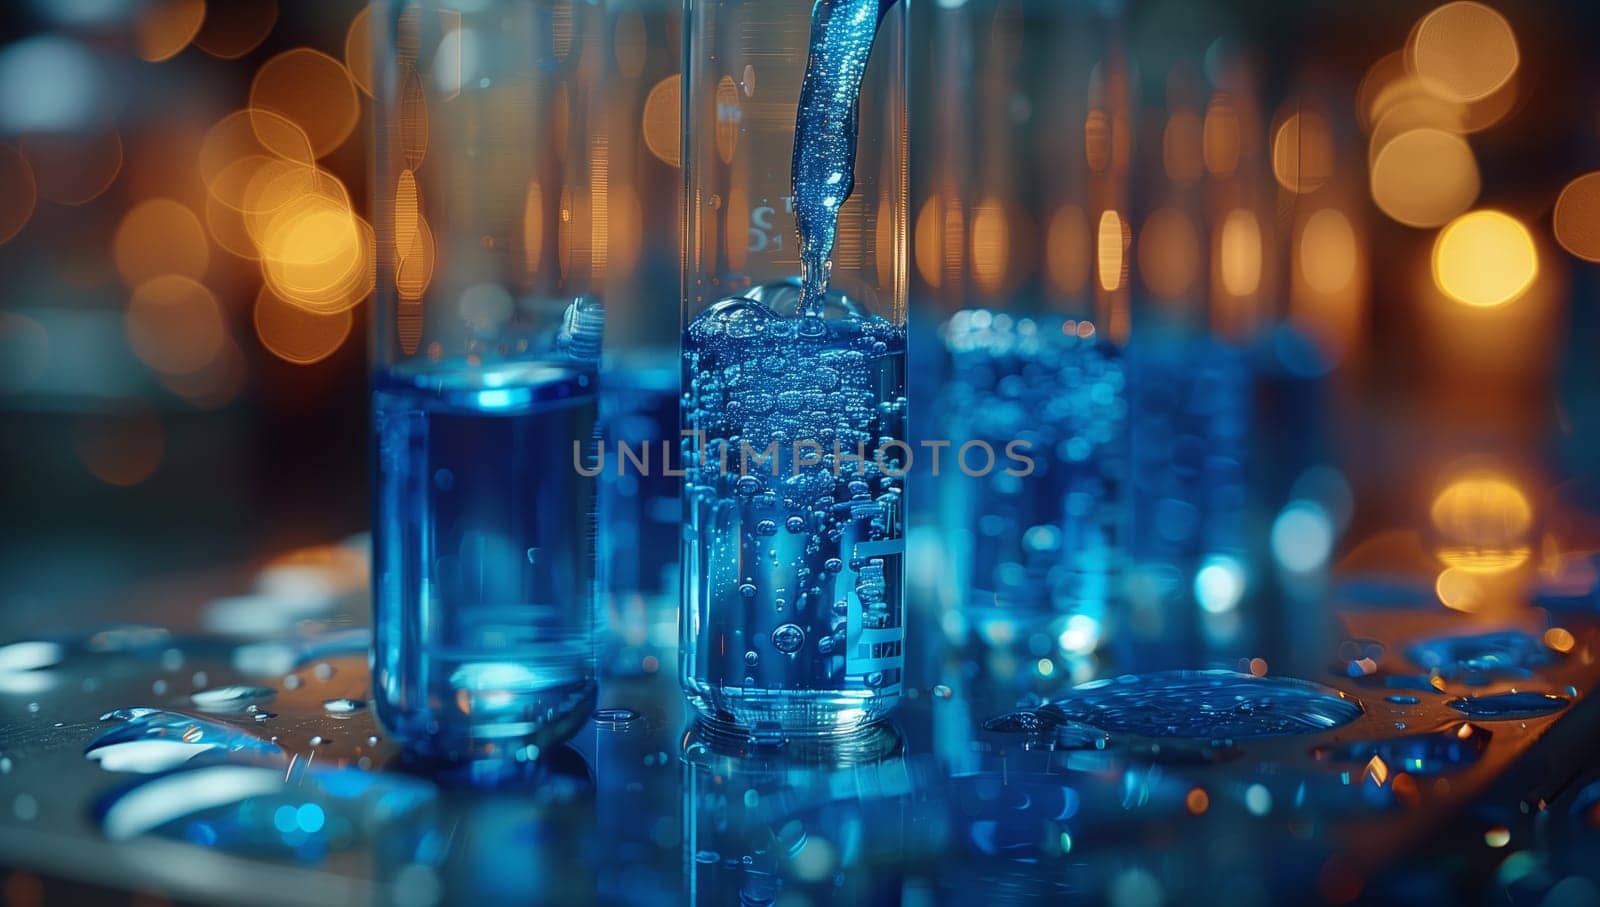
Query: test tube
point(1021, 201)
point(794, 406)
point(640, 490)
point(490, 193)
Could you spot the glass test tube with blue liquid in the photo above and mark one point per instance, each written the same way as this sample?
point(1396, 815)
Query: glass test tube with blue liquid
point(487, 324)
point(794, 366)
point(1032, 336)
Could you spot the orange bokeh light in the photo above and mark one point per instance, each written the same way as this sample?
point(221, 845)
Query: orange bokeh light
point(121, 449)
point(1068, 249)
point(1464, 51)
point(1483, 522)
point(165, 27)
point(1577, 217)
point(160, 236)
point(233, 28)
point(296, 335)
point(1302, 152)
point(312, 90)
point(358, 51)
point(17, 192)
point(1328, 253)
point(1425, 176)
point(661, 118)
point(1239, 253)
point(174, 325)
point(71, 169)
point(1112, 248)
point(991, 247)
point(1169, 252)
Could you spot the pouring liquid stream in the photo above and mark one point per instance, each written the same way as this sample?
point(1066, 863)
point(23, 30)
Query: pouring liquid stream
point(827, 120)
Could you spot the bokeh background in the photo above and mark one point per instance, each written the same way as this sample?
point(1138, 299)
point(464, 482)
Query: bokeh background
point(1415, 186)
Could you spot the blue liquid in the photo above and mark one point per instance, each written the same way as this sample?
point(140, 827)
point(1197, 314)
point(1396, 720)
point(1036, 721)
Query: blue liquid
point(826, 127)
point(1509, 706)
point(1191, 567)
point(641, 514)
point(792, 617)
point(1030, 551)
point(1213, 705)
point(483, 557)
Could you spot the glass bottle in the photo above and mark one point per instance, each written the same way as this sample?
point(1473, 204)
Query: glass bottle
point(490, 199)
point(794, 402)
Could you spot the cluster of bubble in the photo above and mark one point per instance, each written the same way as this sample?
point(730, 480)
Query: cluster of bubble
point(1201, 705)
point(754, 378)
point(1050, 382)
point(1192, 413)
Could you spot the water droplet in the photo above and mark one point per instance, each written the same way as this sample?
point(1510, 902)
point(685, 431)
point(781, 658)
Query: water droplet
point(751, 658)
point(254, 811)
point(1478, 659)
point(29, 656)
point(747, 590)
point(317, 740)
point(788, 639)
point(1204, 704)
point(230, 698)
point(343, 706)
point(152, 740)
point(1431, 753)
point(291, 682)
point(1507, 706)
point(766, 527)
point(795, 524)
point(1399, 699)
point(940, 691)
point(265, 658)
point(833, 565)
point(322, 670)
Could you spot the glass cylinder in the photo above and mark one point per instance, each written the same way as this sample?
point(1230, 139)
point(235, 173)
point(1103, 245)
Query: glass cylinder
point(794, 397)
point(491, 199)
point(640, 509)
point(1019, 244)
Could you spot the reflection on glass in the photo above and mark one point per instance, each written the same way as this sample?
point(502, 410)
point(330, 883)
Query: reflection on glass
point(820, 818)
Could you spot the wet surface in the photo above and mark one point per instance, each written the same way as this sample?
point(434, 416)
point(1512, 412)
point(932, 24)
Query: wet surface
point(258, 757)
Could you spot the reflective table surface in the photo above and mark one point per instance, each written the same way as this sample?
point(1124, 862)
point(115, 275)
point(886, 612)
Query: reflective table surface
point(224, 751)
